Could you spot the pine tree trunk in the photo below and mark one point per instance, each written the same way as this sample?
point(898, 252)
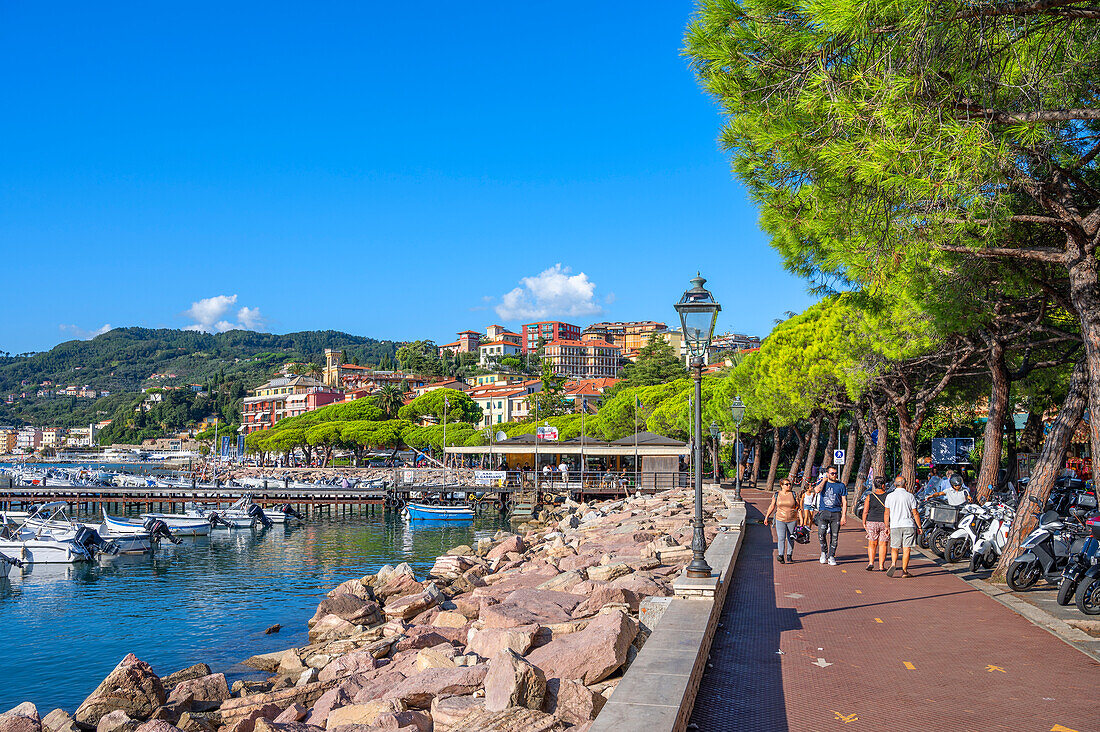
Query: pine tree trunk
point(1051, 459)
point(1032, 434)
point(1084, 291)
point(878, 462)
point(993, 440)
point(1010, 441)
point(831, 441)
point(773, 464)
point(849, 453)
point(758, 447)
point(908, 427)
point(799, 454)
point(811, 451)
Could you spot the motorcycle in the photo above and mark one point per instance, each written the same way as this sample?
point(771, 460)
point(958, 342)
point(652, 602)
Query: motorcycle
point(1080, 562)
point(972, 525)
point(1088, 586)
point(1045, 551)
point(989, 546)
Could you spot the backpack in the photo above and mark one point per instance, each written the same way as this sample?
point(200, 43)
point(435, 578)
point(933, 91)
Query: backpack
point(802, 535)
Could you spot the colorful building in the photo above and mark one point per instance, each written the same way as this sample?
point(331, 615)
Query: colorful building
point(577, 359)
point(548, 330)
point(504, 402)
point(284, 397)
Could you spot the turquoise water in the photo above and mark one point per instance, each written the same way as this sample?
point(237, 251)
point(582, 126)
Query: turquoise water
point(64, 627)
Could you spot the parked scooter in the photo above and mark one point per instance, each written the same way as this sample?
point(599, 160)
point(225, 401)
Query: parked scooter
point(973, 523)
point(1045, 551)
point(940, 522)
point(1080, 562)
point(1088, 587)
point(990, 545)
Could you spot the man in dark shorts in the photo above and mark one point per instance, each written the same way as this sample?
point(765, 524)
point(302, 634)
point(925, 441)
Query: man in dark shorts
point(831, 513)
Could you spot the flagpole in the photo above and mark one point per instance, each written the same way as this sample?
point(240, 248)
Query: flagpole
point(446, 403)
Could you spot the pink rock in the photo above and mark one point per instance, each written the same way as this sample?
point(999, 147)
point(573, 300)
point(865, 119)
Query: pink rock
point(589, 655)
point(603, 596)
point(23, 718)
point(377, 687)
point(581, 561)
point(488, 641)
point(157, 725)
point(408, 606)
point(212, 688)
point(247, 723)
point(513, 682)
point(419, 690)
point(530, 606)
point(448, 711)
point(511, 544)
point(356, 662)
point(571, 701)
point(346, 606)
point(398, 585)
point(426, 636)
point(131, 686)
point(407, 720)
point(294, 713)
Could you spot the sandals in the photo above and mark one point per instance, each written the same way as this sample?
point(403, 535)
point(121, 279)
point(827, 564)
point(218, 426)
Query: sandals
point(891, 570)
point(870, 568)
point(905, 574)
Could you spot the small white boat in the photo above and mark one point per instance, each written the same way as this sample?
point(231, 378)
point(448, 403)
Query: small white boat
point(41, 546)
point(121, 527)
point(180, 524)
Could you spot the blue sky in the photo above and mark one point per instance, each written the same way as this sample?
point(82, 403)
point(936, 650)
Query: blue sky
point(392, 170)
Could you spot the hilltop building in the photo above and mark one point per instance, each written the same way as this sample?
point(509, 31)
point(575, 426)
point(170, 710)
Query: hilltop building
point(548, 330)
point(342, 375)
point(592, 359)
point(284, 397)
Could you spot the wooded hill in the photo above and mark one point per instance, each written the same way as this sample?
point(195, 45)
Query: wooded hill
point(122, 360)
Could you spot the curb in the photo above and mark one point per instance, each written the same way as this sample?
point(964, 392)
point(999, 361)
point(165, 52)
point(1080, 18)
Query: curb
point(657, 693)
point(1057, 627)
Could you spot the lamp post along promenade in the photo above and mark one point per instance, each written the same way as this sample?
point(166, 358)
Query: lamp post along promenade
point(737, 411)
point(698, 313)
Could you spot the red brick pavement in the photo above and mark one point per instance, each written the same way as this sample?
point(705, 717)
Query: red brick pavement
point(862, 651)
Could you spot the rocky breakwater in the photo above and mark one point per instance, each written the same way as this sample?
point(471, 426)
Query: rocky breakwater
point(524, 632)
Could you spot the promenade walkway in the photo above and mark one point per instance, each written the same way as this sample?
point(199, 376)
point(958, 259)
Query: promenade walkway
point(808, 647)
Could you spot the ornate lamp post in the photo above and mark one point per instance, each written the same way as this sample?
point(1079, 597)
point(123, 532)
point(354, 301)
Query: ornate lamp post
point(737, 410)
point(698, 313)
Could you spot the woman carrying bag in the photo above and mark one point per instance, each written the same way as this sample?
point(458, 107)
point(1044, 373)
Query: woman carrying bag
point(785, 507)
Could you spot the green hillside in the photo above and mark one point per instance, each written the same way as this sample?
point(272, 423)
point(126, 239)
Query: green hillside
point(123, 360)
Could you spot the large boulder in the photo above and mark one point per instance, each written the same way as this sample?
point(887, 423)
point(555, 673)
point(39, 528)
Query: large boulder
point(448, 711)
point(247, 723)
point(191, 672)
point(426, 636)
point(237, 708)
point(589, 655)
point(571, 701)
point(512, 544)
point(530, 606)
point(513, 682)
point(157, 725)
point(608, 572)
point(419, 690)
point(363, 713)
point(22, 718)
point(59, 721)
point(116, 721)
point(396, 584)
point(488, 641)
point(353, 663)
point(408, 606)
point(332, 627)
point(206, 691)
point(450, 619)
point(347, 606)
point(606, 595)
point(131, 687)
point(515, 719)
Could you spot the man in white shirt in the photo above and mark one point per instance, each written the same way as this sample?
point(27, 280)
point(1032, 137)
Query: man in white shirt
point(955, 493)
point(564, 470)
point(904, 522)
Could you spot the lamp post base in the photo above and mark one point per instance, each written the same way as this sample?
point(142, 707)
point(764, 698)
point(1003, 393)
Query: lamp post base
point(699, 569)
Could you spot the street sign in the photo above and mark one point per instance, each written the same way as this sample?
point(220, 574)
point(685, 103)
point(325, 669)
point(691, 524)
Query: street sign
point(838, 457)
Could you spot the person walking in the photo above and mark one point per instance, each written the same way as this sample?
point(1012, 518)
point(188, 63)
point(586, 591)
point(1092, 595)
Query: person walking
point(832, 512)
point(874, 523)
point(904, 522)
point(807, 507)
point(785, 507)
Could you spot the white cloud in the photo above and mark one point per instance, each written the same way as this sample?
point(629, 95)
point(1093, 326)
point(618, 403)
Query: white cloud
point(551, 293)
point(209, 315)
point(82, 334)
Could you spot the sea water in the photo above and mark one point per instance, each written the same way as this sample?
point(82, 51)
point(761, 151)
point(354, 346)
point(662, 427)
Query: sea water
point(208, 599)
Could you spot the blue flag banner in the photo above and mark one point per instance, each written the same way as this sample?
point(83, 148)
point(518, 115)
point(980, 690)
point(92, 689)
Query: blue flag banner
point(225, 447)
point(240, 446)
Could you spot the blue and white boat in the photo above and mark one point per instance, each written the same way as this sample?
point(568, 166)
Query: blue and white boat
point(422, 512)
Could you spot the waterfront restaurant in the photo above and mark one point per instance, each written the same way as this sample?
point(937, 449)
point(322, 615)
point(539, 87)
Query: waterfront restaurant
point(653, 462)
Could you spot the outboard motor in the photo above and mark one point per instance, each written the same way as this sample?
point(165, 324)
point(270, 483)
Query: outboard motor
point(258, 516)
point(159, 530)
point(93, 542)
point(216, 520)
point(289, 511)
point(12, 561)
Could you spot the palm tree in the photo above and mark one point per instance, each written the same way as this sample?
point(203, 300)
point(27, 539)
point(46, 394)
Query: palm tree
point(389, 399)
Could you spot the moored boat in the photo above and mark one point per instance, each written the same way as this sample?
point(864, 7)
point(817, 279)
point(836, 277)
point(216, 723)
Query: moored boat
point(7, 564)
point(420, 511)
point(186, 526)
